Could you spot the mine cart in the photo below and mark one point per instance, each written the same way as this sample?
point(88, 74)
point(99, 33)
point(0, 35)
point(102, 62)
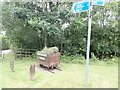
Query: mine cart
point(48, 60)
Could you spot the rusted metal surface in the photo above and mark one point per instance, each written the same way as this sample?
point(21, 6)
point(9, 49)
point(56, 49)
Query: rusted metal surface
point(49, 60)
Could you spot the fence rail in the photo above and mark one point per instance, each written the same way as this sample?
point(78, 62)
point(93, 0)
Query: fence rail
point(19, 53)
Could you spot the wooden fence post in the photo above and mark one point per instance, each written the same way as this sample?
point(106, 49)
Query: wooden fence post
point(12, 66)
point(32, 72)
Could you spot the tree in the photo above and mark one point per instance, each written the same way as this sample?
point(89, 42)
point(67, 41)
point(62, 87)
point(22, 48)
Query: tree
point(42, 24)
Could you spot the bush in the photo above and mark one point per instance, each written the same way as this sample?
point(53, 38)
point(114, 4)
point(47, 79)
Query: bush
point(73, 59)
point(93, 58)
point(5, 44)
point(112, 60)
point(80, 59)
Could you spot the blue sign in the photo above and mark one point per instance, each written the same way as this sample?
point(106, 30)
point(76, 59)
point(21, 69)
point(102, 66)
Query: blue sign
point(80, 6)
point(99, 2)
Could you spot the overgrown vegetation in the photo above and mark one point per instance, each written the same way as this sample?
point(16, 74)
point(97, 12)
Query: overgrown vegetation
point(79, 59)
point(50, 24)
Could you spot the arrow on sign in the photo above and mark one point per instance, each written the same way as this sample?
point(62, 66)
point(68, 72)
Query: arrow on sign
point(80, 7)
point(99, 2)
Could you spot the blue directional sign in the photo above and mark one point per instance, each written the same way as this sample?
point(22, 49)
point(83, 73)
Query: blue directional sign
point(80, 6)
point(99, 2)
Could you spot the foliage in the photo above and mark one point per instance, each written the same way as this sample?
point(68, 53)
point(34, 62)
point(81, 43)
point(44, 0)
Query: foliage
point(94, 58)
point(49, 50)
point(79, 59)
point(5, 43)
point(111, 61)
point(40, 25)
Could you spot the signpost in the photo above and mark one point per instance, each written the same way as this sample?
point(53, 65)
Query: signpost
point(88, 40)
point(81, 6)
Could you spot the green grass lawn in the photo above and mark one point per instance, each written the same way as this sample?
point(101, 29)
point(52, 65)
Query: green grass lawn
point(0, 74)
point(73, 75)
point(0, 62)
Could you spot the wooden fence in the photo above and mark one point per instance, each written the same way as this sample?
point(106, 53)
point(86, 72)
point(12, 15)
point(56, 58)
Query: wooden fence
point(20, 53)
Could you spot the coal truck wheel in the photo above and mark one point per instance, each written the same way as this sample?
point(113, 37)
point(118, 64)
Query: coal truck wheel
point(41, 65)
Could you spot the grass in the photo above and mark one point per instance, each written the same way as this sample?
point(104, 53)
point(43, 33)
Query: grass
point(0, 74)
point(0, 62)
point(73, 75)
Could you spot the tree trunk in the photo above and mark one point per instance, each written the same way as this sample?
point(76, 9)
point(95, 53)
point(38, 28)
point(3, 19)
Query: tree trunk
point(46, 40)
point(15, 54)
point(61, 47)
